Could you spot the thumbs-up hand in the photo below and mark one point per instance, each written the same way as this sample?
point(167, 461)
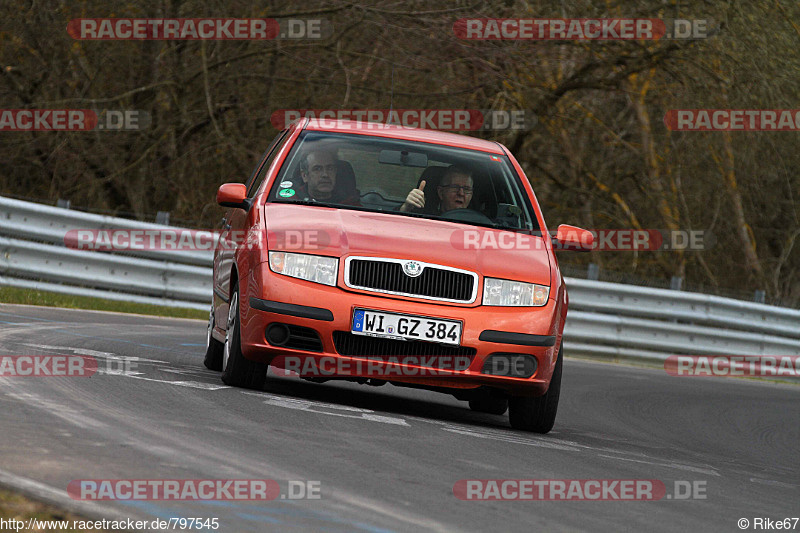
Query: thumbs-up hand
point(415, 198)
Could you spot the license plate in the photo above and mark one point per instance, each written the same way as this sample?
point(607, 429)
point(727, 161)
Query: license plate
point(405, 327)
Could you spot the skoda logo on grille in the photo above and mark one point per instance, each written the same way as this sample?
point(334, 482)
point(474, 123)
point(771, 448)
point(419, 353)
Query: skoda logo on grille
point(412, 269)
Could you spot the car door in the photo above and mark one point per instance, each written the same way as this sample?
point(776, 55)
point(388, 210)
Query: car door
point(233, 232)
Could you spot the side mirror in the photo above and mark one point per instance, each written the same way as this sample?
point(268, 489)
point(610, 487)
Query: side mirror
point(233, 195)
point(574, 238)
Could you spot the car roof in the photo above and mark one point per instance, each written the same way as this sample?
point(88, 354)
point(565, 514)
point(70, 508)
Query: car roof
point(400, 132)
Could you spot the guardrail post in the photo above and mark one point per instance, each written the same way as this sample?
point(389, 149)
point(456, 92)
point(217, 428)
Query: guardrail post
point(64, 204)
point(593, 272)
point(760, 297)
point(162, 217)
point(676, 283)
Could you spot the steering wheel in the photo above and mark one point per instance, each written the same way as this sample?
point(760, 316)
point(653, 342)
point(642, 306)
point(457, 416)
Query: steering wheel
point(466, 215)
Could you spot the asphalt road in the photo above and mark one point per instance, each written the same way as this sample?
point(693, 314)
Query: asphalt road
point(386, 458)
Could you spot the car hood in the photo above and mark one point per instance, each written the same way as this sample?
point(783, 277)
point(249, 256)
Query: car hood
point(346, 232)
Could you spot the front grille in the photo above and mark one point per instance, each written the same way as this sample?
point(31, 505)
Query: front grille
point(434, 282)
point(376, 348)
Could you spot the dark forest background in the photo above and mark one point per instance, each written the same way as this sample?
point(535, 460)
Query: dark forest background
point(600, 155)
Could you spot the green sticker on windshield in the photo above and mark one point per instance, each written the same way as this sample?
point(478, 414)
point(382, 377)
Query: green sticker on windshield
point(286, 193)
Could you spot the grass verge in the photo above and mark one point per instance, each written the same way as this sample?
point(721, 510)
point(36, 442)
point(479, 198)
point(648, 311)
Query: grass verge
point(18, 295)
point(14, 506)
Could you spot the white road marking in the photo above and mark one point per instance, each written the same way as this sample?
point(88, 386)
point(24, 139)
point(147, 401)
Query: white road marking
point(108, 356)
point(182, 371)
point(56, 409)
point(772, 483)
point(108, 372)
point(384, 419)
point(512, 438)
point(313, 406)
point(93, 353)
point(191, 384)
point(555, 443)
point(699, 470)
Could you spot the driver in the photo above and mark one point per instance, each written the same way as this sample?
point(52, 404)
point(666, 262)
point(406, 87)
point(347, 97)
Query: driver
point(318, 168)
point(455, 191)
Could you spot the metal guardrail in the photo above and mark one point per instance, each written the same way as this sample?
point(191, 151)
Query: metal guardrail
point(624, 321)
point(99, 270)
point(620, 337)
point(33, 254)
point(48, 224)
point(672, 305)
point(608, 320)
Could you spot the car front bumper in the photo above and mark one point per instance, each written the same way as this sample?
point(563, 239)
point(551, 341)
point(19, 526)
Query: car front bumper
point(270, 298)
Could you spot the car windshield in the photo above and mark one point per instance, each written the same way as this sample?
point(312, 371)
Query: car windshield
point(377, 174)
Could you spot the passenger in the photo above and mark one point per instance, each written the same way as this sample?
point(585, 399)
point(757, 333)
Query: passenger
point(455, 191)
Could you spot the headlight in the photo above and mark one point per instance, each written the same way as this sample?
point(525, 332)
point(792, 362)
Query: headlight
point(514, 293)
point(316, 268)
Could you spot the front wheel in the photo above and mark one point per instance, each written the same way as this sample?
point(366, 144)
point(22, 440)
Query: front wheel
point(538, 414)
point(236, 370)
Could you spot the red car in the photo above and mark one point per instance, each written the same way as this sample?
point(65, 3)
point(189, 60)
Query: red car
point(382, 254)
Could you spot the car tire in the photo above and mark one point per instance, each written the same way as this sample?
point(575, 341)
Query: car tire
point(214, 348)
point(486, 403)
point(236, 370)
point(538, 414)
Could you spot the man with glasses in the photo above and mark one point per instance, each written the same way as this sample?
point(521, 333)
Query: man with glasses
point(455, 191)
